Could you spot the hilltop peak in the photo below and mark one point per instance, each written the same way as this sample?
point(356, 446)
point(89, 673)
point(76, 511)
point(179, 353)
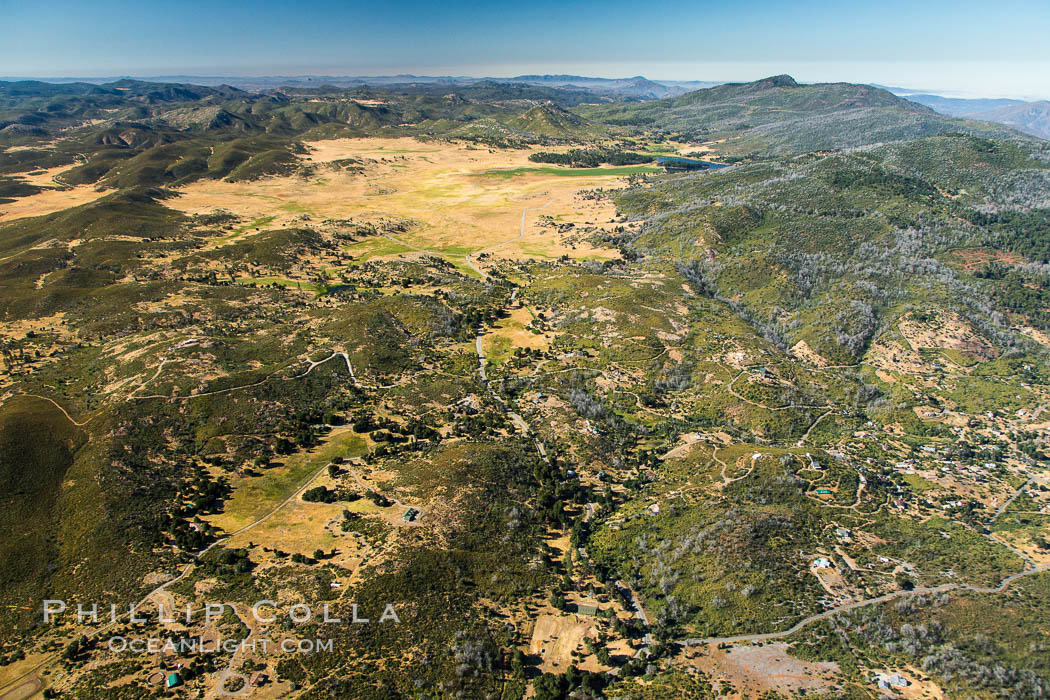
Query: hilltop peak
point(548, 119)
point(776, 81)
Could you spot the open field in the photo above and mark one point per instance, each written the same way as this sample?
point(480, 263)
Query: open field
point(556, 637)
point(455, 199)
point(511, 333)
point(254, 496)
point(49, 201)
point(570, 172)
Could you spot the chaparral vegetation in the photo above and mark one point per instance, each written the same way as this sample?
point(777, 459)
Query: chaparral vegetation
point(592, 424)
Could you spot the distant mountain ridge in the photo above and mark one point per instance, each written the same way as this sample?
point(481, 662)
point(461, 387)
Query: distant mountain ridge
point(960, 107)
point(169, 91)
point(1028, 117)
point(638, 87)
point(131, 133)
point(772, 116)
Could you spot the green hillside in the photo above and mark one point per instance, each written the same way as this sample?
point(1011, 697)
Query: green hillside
point(777, 116)
point(832, 249)
point(591, 425)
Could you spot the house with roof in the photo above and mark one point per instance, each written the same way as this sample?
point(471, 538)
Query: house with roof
point(890, 681)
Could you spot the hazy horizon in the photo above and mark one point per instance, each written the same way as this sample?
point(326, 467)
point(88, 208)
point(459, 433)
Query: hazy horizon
point(976, 50)
point(902, 85)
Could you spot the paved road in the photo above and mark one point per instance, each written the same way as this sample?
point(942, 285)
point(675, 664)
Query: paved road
point(481, 357)
point(861, 604)
point(639, 612)
point(1011, 499)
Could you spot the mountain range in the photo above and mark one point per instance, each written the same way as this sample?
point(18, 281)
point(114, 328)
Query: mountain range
point(637, 87)
point(1029, 117)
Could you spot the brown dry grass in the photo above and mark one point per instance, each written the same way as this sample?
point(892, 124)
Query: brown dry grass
point(56, 198)
point(833, 583)
point(510, 333)
point(443, 189)
point(804, 352)
point(949, 331)
point(555, 637)
point(1036, 335)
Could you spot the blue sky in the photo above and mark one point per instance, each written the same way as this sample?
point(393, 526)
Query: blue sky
point(994, 48)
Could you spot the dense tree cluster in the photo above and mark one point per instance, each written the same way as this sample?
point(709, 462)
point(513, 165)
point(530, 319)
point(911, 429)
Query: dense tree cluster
point(591, 157)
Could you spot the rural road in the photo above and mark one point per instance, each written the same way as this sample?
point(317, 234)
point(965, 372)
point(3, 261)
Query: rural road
point(1010, 500)
point(346, 358)
point(56, 405)
point(1003, 585)
point(639, 612)
point(185, 397)
point(21, 682)
point(24, 682)
point(469, 257)
point(515, 418)
point(407, 245)
point(481, 357)
point(733, 391)
point(186, 570)
point(802, 440)
point(25, 690)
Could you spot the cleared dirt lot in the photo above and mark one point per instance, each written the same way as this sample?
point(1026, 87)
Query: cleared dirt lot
point(555, 637)
point(755, 670)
